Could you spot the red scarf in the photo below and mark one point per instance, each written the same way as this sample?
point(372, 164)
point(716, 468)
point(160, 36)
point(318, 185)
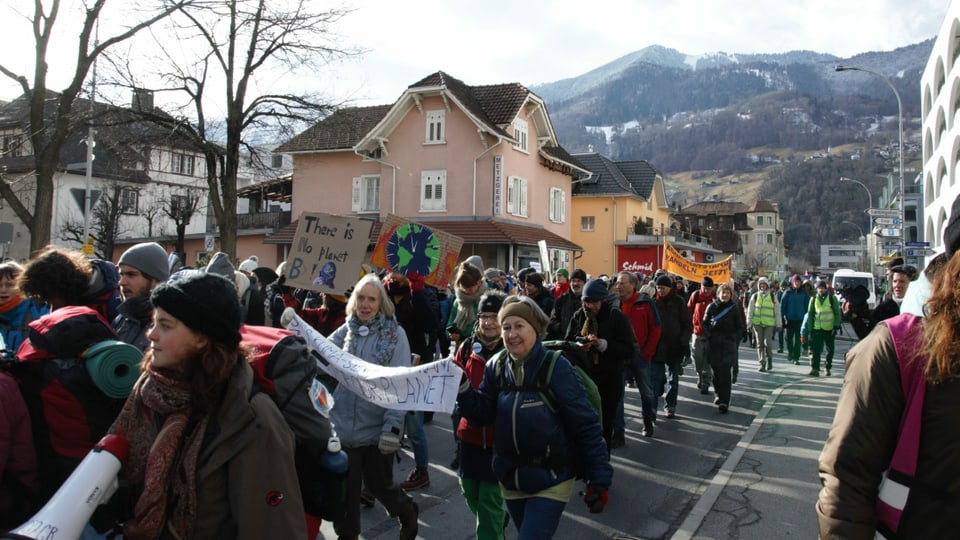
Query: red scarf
point(11, 303)
point(162, 464)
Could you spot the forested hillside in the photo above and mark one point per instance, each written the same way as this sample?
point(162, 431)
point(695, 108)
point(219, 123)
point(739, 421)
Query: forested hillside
point(771, 120)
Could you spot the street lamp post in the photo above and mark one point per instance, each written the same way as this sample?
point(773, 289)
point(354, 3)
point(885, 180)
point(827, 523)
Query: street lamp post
point(900, 144)
point(865, 188)
point(863, 241)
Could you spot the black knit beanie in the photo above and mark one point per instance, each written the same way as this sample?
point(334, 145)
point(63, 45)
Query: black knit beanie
point(490, 302)
point(204, 302)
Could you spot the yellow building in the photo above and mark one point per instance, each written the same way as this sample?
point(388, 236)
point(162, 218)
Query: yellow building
point(620, 213)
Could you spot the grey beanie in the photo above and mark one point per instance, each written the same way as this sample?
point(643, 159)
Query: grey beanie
point(149, 258)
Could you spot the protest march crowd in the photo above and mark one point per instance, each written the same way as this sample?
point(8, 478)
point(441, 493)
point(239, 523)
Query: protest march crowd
point(253, 409)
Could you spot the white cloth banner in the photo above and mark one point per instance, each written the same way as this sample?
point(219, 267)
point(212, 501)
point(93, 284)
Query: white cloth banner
point(428, 387)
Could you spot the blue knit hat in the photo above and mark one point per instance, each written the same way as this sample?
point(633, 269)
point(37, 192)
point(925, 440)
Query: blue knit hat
point(594, 290)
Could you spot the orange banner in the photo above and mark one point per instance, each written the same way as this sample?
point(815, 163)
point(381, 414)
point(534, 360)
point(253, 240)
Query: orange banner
point(674, 263)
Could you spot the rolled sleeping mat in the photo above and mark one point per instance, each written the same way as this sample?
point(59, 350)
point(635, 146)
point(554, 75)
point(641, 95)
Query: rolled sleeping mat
point(114, 367)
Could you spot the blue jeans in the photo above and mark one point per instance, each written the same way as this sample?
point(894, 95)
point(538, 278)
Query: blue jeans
point(418, 439)
point(536, 517)
point(662, 376)
point(640, 371)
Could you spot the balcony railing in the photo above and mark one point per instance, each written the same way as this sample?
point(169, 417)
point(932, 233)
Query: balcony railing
point(674, 236)
point(260, 220)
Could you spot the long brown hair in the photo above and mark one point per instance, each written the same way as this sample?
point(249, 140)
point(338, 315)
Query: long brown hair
point(941, 338)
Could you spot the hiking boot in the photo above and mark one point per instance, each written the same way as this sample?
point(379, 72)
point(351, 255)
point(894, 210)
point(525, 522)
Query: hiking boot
point(418, 478)
point(617, 440)
point(408, 522)
point(647, 427)
point(366, 498)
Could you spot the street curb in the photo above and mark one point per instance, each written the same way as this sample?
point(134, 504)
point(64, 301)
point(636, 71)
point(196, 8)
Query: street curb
point(700, 511)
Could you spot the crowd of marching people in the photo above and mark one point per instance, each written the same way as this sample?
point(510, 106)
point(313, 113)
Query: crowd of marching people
point(216, 451)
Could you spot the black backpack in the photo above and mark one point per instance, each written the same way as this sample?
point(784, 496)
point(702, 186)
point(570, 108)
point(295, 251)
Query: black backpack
point(285, 369)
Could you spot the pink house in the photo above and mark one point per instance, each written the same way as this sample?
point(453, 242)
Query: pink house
point(480, 162)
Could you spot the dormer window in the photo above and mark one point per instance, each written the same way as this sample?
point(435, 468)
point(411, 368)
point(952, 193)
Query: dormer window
point(436, 127)
point(520, 134)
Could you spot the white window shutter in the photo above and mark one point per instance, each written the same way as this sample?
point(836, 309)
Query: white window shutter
point(356, 201)
point(512, 189)
point(523, 196)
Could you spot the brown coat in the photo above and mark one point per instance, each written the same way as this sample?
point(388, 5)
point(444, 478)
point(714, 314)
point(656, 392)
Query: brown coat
point(249, 460)
point(862, 440)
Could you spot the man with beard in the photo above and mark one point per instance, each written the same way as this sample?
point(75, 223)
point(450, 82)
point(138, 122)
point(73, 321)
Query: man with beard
point(607, 338)
point(566, 305)
point(142, 267)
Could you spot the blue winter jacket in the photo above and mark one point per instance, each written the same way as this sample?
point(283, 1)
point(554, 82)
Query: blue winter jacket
point(534, 447)
point(794, 304)
point(13, 323)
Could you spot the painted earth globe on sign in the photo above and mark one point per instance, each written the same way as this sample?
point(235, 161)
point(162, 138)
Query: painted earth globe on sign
point(413, 247)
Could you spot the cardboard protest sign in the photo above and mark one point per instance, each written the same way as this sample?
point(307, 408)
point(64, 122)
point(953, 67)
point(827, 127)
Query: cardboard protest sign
point(405, 246)
point(675, 263)
point(327, 252)
point(427, 387)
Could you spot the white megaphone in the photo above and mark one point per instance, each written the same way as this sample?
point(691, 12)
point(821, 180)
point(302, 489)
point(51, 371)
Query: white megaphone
point(91, 484)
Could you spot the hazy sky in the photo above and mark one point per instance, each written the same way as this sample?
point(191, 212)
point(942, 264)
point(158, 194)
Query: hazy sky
point(498, 41)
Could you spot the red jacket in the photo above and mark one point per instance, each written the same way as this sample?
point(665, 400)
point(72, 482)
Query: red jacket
point(698, 304)
point(472, 358)
point(17, 457)
point(645, 324)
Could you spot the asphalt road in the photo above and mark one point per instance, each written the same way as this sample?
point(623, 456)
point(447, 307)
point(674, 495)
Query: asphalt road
point(659, 481)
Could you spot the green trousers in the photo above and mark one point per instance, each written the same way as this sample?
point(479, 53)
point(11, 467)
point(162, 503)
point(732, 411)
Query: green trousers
point(486, 502)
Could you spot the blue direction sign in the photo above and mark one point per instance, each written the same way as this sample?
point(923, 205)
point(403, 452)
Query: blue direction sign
point(917, 244)
point(918, 252)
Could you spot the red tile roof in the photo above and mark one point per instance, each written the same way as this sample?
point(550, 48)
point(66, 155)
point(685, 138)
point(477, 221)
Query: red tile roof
point(472, 232)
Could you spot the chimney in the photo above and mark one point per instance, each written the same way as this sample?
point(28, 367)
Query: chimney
point(142, 100)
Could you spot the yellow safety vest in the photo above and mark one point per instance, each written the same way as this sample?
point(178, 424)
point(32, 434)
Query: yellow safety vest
point(824, 313)
point(764, 313)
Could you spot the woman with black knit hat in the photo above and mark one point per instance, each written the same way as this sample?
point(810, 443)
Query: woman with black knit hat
point(477, 481)
point(206, 459)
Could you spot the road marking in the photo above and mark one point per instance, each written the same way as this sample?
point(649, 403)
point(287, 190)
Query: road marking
point(700, 511)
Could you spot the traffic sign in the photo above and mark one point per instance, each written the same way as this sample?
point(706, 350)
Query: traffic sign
point(891, 233)
point(918, 252)
point(886, 221)
point(917, 244)
point(883, 212)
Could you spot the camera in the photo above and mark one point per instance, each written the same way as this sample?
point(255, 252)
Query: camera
point(582, 339)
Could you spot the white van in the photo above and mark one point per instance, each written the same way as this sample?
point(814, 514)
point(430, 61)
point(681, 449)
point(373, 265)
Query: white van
point(844, 278)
